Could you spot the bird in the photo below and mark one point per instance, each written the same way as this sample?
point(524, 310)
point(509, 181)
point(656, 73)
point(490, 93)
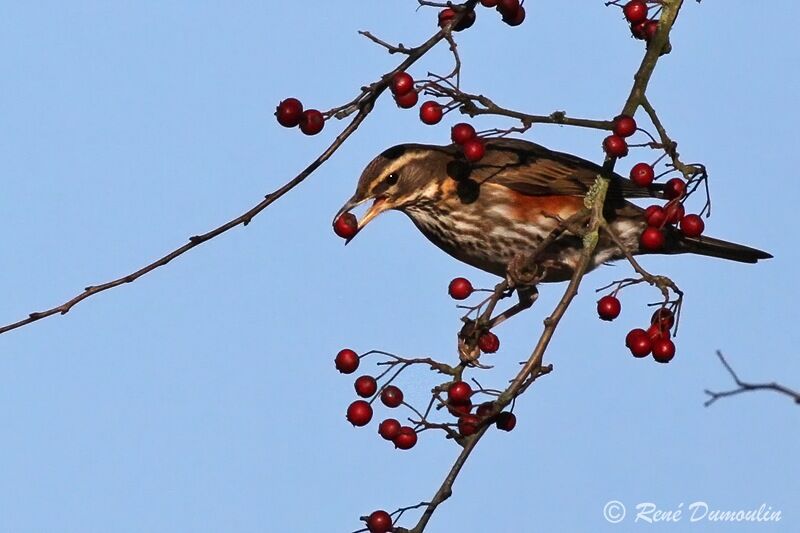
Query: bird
point(490, 213)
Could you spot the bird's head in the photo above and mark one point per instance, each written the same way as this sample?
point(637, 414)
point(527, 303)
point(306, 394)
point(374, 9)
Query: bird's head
point(397, 178)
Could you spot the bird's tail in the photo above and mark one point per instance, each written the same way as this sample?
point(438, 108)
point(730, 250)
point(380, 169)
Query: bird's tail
point(718, 248)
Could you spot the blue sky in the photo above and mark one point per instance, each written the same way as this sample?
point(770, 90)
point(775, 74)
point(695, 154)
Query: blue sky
point(203, 397)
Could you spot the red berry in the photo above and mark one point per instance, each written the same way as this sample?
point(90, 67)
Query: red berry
point(488, 3)
point(359, 413)
point(406, 438)
point(638, 342)
point(459, 393)
point(460, 289)
point(674, 212)
point(474, 150)
point(652, 239)
point(624, 126)
point(692, 225)
point(655, 216)
point(460, 409)
point(484, 409)
point(664, 317)
point(312, 122)
point(379, 522)
point(402, 83)
point(468, 425)
point(608, 307)
point(506, 421)
point(642, 174)
point(430, 113)
point(635, 11)
point(516, 19)
point(389, 428)
point(615, 146)
point(366, 386)
point(346, 226)
point(445, 16)
point(663, 350)
point(508, 8)
point(346, 361)
point(407, 100)
point(289, 112)
point(639, 30)
point(675, 188)
point(462, 132)
point(650, 29)
point(657, 331)
point(392, 396)
point(488, 342)
point(466, 21)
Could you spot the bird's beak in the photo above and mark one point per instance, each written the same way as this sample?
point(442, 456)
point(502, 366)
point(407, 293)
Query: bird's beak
point(379, 205)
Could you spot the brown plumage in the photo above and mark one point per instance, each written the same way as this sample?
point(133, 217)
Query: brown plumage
point(487, 213)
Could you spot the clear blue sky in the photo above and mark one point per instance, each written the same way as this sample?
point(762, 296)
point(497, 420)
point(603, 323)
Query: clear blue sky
point(203, 397)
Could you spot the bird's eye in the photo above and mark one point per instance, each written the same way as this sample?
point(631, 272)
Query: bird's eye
point(392, 178)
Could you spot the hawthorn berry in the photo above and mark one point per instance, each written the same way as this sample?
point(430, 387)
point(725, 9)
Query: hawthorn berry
point(675, 188)
point(663, 350)
point(389, 428)
point(488, 342)
point(402, 83)
point(405, 439)
point(346, 226)
point(474, 150)
point(460, 410)
point(447, 15)
point(639, 30)
point(460, 289)
point(312, 122)
point(624, 126)
point(650, 29)
point(655, 216)
point(506, 421)
point(642, 174)
point(652, 239)
point(638, 342)
point(391, 396)
point(664, 317)
point(379, 522)
point(488, 3)
point(459, 393)
point(366, 386)
point(635, 11)
point(289, 112)
point(608, 307)
point(657, 331)
point(615, 146)
point(462, 132)
point(359, 413)
point(468, 425)
point(430, 112)
point(346, 361)
point(484, 409)
point(516, 19)
point(508, 8)
point(674, 212)
point(408, 100)
point(692, 225)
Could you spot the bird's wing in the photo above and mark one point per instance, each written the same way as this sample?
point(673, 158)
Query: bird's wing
point(532, 169)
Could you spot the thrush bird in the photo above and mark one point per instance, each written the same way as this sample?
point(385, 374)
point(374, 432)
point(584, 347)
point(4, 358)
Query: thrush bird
point(490, 213)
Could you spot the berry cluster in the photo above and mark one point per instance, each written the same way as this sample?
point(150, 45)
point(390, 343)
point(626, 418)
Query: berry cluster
point(642, 27)
point(472, 146)
point(290, 114)
point(641, 343)
point(511, 11)
point(461, 289)
point(615, 144)
point(359, 413)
